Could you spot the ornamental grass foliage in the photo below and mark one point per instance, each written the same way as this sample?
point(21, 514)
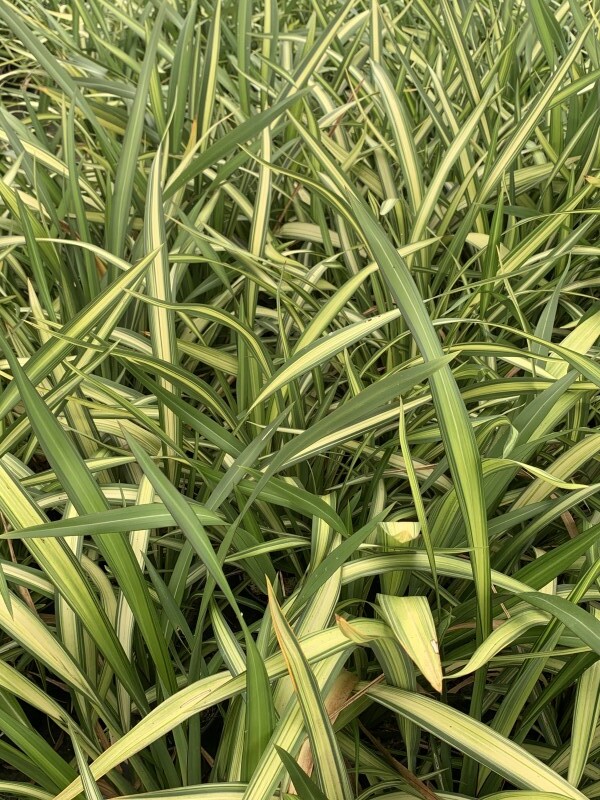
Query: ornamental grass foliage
point(299, 469)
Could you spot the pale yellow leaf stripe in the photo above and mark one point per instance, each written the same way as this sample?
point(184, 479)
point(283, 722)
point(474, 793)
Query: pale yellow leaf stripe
point(48, 356)
point(585, 719)
point(336, 302)
point(434, 191)
point(328, 759)
point(569, 462)
point(403, 136)
point(526, 126)
point(412, 623)
point(158, 283)
point(25, 627)
point(474, 739)
point(579, 340)
point(212, 690)
point(323, 350)
point(507, 633)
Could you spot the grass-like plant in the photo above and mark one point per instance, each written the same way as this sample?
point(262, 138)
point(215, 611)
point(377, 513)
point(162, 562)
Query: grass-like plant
point(299, 479)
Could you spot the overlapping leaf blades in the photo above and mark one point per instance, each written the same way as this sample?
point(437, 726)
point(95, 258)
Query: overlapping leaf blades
point(234, 235)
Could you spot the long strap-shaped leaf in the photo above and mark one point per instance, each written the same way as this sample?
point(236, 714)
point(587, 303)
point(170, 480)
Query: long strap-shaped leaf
point(501, 638)
point(326, 753)
point(114, 520)
point(86, 496)
point(475, 739)
point(337, 426)
point(90, 787)
point(580, 622)
point(322, 350)
point(158, 284)
point(224, 145)
point(455, 425)
point(118, 213)
point(52, 353)
point(216, 689)
point(585, 721)
point(411, 620)
point(183, 515)
point(302, 782)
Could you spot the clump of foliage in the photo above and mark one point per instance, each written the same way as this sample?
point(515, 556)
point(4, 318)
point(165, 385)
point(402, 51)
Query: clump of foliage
point(299, 481)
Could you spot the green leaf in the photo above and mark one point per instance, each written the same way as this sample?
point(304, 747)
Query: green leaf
point(305, 788)
point(476, 740)
point(412, 623)
point(580, 622)
point(327, 757)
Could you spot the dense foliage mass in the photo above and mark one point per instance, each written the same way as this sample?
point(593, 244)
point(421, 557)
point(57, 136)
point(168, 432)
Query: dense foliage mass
point(299, 477)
